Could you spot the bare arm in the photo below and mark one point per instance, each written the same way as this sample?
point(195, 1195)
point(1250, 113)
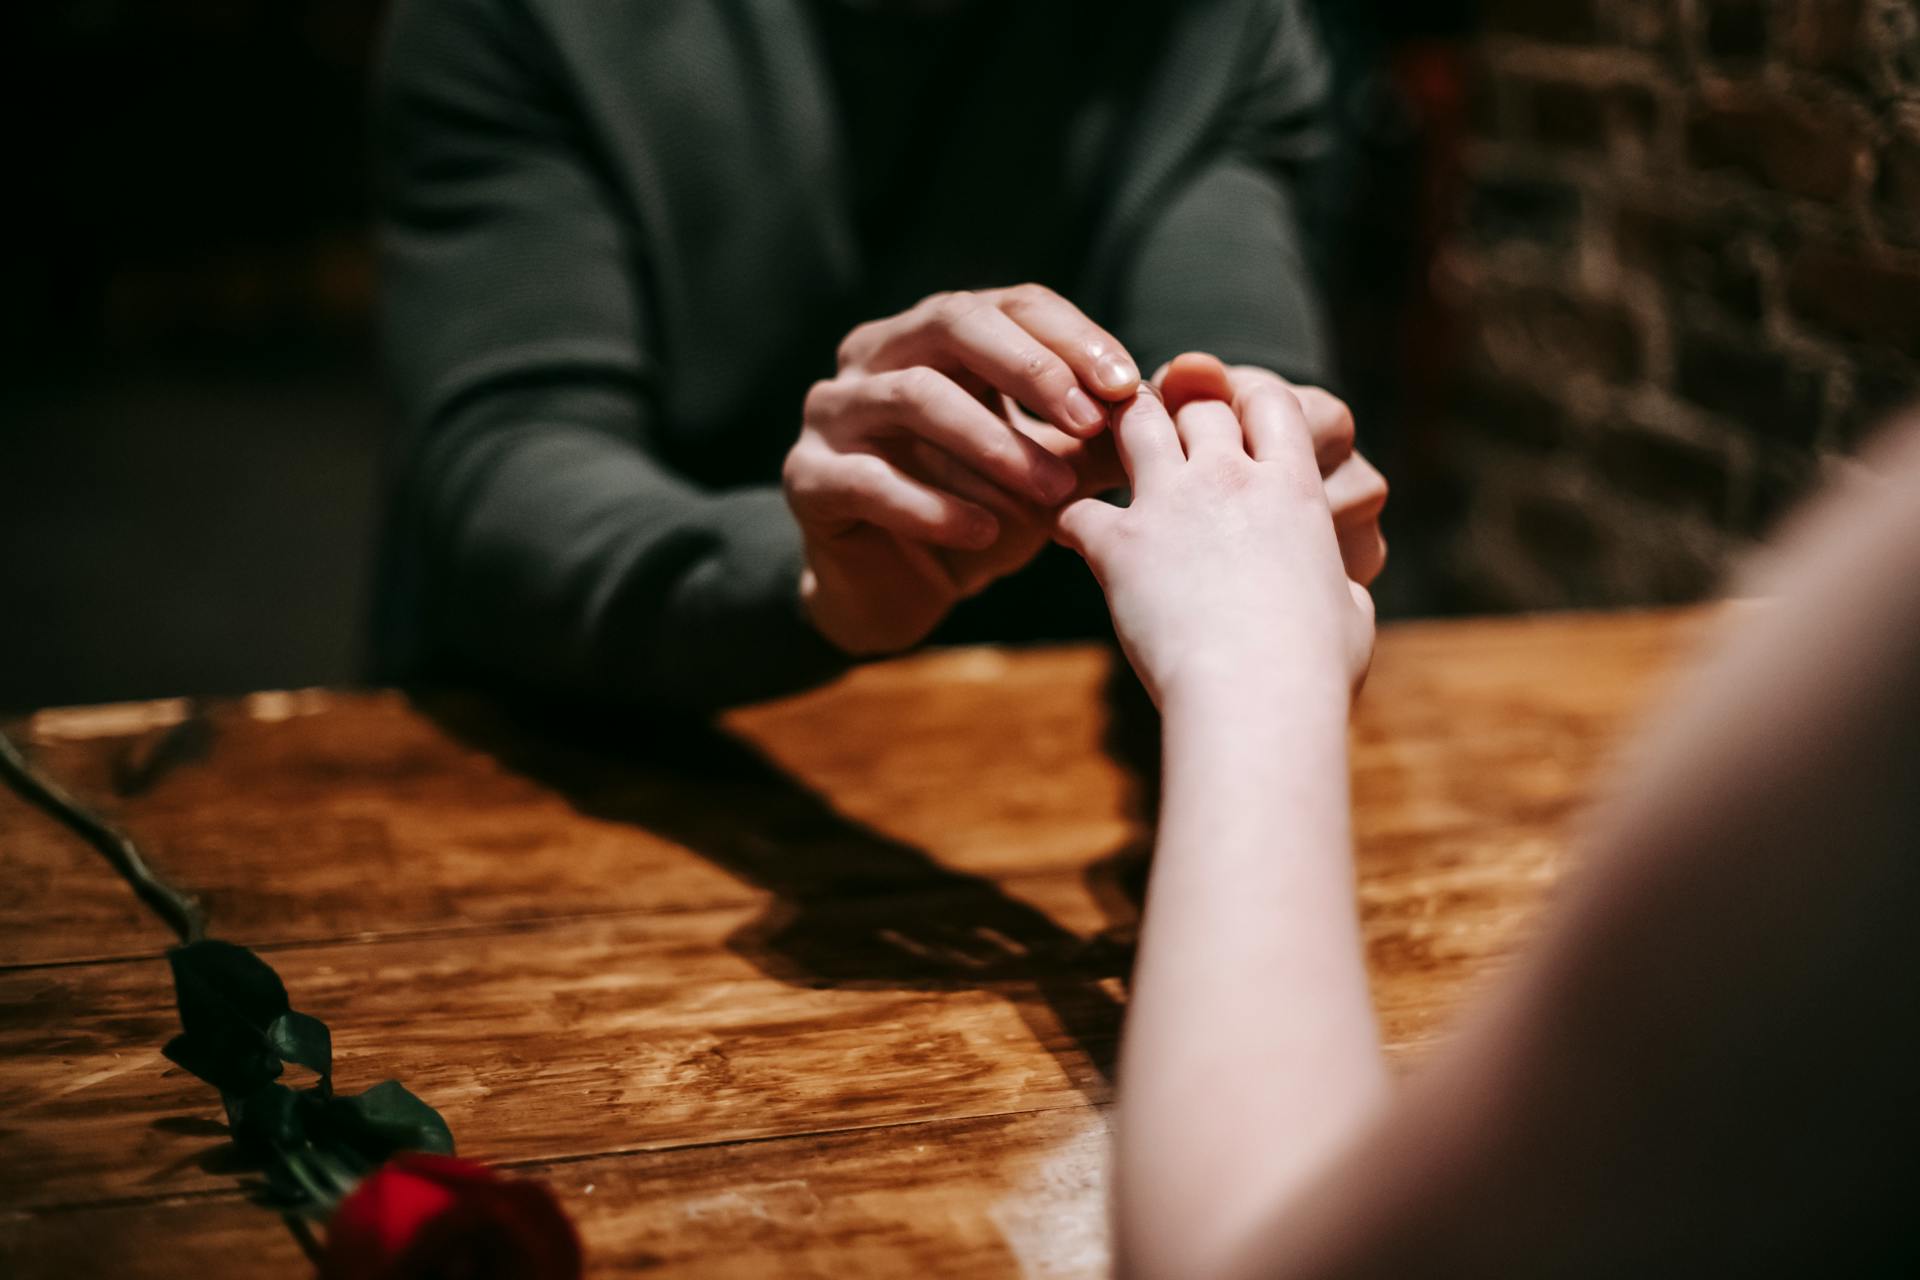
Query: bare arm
point(1706, 1065)
point(1251, 1051)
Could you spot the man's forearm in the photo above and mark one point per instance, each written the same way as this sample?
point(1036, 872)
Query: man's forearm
point(563, 559)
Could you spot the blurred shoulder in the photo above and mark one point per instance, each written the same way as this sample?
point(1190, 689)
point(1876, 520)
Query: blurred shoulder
point(1849, 560)
point(474, 56)
point(1873, 496)
point(1894, 457)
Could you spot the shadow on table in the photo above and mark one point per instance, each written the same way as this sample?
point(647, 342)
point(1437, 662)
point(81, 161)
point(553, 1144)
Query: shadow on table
point(852, 907)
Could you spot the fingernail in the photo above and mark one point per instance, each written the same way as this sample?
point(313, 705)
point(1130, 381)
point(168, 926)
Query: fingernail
point(1056, 482)
point(1084, 412)
point(1116, 373)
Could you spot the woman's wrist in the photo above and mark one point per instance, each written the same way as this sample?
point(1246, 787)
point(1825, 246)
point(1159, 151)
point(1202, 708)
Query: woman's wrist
point(1276, 690)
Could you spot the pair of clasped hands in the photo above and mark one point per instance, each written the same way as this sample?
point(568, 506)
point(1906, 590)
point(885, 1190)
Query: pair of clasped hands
point(963, 434)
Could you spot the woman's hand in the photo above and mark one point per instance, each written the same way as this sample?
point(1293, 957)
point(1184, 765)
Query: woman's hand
point(1356, 491)
point(1226, 568)
point(1228, 590)
point(917, 482)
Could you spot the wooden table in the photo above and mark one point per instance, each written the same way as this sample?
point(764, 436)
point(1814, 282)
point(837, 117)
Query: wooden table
point(834, 991)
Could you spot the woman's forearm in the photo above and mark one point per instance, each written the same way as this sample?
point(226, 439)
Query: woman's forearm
point(1251, 1050)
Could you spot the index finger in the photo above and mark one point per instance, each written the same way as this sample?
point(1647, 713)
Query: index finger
point(972, 336)
point(1147, 440)
point(1096, 357)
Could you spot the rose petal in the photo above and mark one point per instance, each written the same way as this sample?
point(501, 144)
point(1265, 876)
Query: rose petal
point(378, 1219)
point(426, 1217)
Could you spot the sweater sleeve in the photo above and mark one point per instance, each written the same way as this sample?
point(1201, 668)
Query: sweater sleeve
point(551, 549)
point(1222, 265)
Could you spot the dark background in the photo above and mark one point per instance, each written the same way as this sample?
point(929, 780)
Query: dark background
point(190, 411)
point(1615, 281)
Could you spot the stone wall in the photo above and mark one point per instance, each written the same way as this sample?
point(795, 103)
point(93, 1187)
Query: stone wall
point(1683, 281)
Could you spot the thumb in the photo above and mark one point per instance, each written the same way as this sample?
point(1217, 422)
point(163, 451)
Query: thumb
point(1085, 526)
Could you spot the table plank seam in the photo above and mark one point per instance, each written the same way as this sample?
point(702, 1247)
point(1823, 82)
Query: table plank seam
point(534, 924)
point(535, 1163)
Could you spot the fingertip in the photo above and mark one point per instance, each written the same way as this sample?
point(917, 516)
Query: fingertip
point(1199, 364)
point(1362, 599)
point(1115, 376)
point(1364, 553)
point(1195, 375)
point(1369, 497)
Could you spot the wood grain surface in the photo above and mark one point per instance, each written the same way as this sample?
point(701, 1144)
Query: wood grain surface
point(831, 988)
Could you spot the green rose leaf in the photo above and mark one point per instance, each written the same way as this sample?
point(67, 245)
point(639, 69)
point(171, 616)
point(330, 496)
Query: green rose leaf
point(386, 1119)
point(227, 998)
point(224, 990)
point(269, 1120)
point(239, 1031)
point(238, 1024)
point(235, 1068)
point(302, 1038)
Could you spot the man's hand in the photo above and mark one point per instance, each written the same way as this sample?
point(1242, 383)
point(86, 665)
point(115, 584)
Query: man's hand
point(1356, 492)
point(918, 479)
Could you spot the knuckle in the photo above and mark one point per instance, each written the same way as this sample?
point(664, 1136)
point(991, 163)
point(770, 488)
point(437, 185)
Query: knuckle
point(1303, 484)
point(1343, 418)
point(801, 472)
point(916, 386)
point(1367, 493)
point(857, 345)
point(1288, 402)
point(1340, 430)
point(1058, 373)
point(1296, 424)
point(1258, 377)
point(1029, 295)
point(1226, 475)
point(952, 309)
point(820, 400)
point(1329, 417)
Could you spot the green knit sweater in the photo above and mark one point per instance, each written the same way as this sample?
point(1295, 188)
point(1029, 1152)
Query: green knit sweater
point(621, 237)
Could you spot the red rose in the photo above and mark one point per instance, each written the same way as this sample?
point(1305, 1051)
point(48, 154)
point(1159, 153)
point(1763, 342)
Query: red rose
point(425, 1217)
